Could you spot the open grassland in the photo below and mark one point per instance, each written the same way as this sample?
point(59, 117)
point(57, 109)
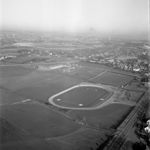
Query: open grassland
point(38, 85)
point(37, 128)
point(84, 139)
point(9, 133)
point(112, 78)
point(82, 72)
point(41, 87)
point(7, 97)
point(26, 59)
point(38, 120)
point(106, 117)
point(32, 125)
point(14, 71)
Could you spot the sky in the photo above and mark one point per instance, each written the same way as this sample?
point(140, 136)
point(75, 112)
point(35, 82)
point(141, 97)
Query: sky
point(75, 15)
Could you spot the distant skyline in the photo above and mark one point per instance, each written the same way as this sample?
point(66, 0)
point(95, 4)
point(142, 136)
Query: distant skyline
point(75, 15)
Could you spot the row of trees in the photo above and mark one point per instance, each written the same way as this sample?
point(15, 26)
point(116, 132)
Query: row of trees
point(141, 123)
point(131, 64)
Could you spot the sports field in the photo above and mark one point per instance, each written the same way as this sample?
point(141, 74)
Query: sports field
point(83, 72)
point(112, 78)
point(81, 96)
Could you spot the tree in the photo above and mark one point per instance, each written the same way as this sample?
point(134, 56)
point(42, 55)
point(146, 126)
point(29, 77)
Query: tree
point(139, 146)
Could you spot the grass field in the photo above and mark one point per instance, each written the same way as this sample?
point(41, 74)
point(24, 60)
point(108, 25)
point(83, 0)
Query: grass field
point(105, 117)
point(38, 120)
point(84, 72)
point(41, 87)
point(7, 97)
point(38, 85)
point(84, 139)
point(33, 125)
point(82, 96)
point(26, 59)
point(112, 78)
point(9, 133)
point(13, 71)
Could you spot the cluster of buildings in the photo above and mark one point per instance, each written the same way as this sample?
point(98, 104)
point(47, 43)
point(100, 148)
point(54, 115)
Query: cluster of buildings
point(128, 63)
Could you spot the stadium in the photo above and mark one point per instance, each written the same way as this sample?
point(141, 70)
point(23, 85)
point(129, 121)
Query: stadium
point(82, 96)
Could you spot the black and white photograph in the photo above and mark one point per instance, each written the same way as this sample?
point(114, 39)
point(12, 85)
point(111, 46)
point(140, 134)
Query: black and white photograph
point(74, 74)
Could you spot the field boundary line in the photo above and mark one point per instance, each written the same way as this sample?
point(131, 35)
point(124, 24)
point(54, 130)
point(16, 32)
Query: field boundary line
point(97, 75)
point(17, 103)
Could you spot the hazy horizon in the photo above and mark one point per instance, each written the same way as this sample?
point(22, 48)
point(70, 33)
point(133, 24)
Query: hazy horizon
point(110, 16)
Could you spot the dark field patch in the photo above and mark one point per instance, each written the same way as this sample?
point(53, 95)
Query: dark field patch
point(129, 96)
point(84, 72)
point(94, 65)
point(9, 133)
point(86, 139)
point(105, 117)
point(85, 96)
point(7, 97)
point(38, 120)
point(26, 59)
point(13, 71)
point(39, 144)
point(42, 88)
point(38, 77)
point(111, 78)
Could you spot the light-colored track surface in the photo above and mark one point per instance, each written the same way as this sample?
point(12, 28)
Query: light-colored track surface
point(108, 100)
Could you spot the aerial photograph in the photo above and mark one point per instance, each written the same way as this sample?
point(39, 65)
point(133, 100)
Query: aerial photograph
point(74, 75)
